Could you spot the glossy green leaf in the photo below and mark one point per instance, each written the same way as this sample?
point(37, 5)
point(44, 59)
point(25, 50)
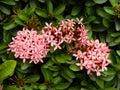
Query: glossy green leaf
point(113, 43)
point(66, 76)
point(54, 68)
point(9, 26)
point(5, 9)
point(62, 86)
point(90, 19)
point(59, 17)
point(42, 87)
point(106, 23)
point(48, 63)
point(47, 74)
point(11, 88)
point(3, 46)
point(25, 65)
point(108, 77)
point(100, 1)
point(75, 10)
point(49, 6)
point(19, 22)
point(110, 88)
point(109, 10)
point(116, 34)
point(117, 39)
point(114, 3)
point(57, 80)
point(118, 52)
point(23, 16)
point(69, 72)
point(110, 71)
point(98, 28)
point(90, 3)
point(102, 13)
point(6, 69)
point(60, 58)
point(117, 25)
point(33, 78)
point(30, 11)
point(9, 2)
point(74, 67)
point(100, 83)
point(59, 10)
point(41, 13)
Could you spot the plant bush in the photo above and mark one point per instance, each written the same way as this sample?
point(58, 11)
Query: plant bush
point(44, 43)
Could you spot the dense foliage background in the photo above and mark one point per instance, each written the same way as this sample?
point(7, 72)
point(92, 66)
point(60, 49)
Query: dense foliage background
point(59, 72)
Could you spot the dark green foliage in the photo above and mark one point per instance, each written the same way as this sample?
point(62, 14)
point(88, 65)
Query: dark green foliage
point(59, 72)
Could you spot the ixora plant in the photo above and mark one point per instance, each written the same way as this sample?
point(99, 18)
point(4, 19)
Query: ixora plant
point(70, 35)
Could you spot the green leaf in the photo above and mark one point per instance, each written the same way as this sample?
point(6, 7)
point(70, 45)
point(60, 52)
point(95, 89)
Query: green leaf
point(54, 68)
point(42, 87)
point(108, 77)
point(106, 23)
point(69, 72)
point(100, 83)
point(110, 71)
point(102, 13)
point(62, 86)
point(5, 10)
point(25, 65)
point(66, 76)
point(117, 40)
point(100, 1)
point(47, 74)
point(98, 28)
point(118, 52)
point(48, 63)
point(113, 43)
point(6, 69)
point(117, 25)
point(90, 3)
point(74, 67)
point(59, 17)
point(19, 22)
point(57, 80)
point(110, 88)
point(75, 10)
point(59, 10)
point(9, 25)
point(49, 6)
point(33, 78)
point(9, 2)
point(60, 58)
point(11, 88)
point(41, 13)
point(114, 3)
point(90, 19)
point(3, 46)
point(23, 16)
point(109, 10)
point(30, 11)
point(116, 34)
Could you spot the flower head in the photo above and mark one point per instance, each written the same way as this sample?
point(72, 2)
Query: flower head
point(29, 45)
point(94, 57)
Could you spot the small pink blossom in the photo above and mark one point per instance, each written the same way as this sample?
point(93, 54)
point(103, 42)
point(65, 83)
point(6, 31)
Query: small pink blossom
point(29, 45)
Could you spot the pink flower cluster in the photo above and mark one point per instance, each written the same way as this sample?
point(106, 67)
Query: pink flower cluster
point(91, 55)
point(94, 58)
point(29, 45)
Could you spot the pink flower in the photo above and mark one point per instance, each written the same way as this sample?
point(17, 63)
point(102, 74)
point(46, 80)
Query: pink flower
point(52, 35)
point(29, 45)
point(94, 57)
